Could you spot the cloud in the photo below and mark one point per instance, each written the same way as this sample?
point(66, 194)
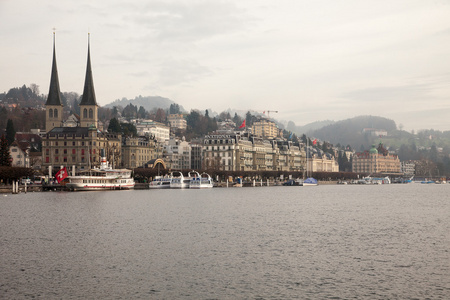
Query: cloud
point(389, 93)
point(176, 71)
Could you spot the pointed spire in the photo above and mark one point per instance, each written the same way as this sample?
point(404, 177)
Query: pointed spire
point(88, 92)
point(54, 94)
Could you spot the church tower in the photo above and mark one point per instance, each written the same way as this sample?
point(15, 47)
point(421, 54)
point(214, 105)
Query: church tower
point(53, 106)
point(88, 104)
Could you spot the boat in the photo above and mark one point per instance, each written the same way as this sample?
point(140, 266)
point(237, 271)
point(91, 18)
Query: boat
point(203, 181)
point(102, 178)
point(179, 181)
point(160, 182)
point(309, 181)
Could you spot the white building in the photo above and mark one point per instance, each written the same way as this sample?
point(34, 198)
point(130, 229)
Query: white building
point(20, 153)
point(177, 154)
point(149, 127)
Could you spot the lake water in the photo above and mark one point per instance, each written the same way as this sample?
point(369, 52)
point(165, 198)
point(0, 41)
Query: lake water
point(324, 242)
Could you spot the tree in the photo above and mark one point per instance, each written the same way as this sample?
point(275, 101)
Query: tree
point(128, 129)
point(5, 156)
point(160, 115)
point(114, 126)
point(10, 132)
point(174, 109)
point(141, 112)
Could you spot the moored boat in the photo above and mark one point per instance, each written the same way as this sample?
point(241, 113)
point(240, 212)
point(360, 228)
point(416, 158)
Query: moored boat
point(202, 181)
point(103, 178)
point(160, 182)
point(179, 181)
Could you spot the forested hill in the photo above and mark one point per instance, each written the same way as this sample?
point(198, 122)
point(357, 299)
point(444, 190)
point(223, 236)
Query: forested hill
point(350, 131)
point(149, 102)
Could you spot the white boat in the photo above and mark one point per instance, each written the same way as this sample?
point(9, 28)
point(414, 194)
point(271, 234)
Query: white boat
point(160, 182)
point(179, 181)
point(103, 178)
point(203, 181)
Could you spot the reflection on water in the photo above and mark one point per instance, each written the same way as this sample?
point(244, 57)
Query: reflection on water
point(378, 242)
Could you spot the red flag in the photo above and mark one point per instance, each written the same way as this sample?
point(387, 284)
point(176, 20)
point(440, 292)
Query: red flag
point(243, 125)
point(315, 142)
point(61, 174)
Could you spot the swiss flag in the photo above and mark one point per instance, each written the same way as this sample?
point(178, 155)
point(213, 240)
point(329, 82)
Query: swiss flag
point(61, 174)
point(315, 142)
point(242, 125)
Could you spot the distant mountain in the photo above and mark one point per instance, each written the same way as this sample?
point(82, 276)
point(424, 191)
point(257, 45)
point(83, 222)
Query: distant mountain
point(148, 102)
point(350, 131)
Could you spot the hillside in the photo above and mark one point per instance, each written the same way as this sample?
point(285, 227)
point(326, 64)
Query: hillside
point(350, 131)
point(149, 102)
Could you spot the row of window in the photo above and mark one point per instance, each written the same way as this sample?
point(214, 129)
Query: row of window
point(64, 159)
point(74, 151)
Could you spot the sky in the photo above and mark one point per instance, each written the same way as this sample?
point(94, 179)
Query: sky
point(308, 60)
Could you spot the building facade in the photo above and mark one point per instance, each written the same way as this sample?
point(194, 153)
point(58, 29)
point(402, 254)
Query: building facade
point(177, 121)
point(265, 128)
point(373, 162)
point(154, 129)
point(235, 151)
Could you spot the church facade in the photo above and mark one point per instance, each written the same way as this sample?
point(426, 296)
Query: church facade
point(76, 148)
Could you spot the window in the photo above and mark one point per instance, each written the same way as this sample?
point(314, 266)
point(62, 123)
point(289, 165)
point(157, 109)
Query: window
point(73, 143)
point(56, 151)
point(82, 151)
point(47, 151)
point(85, 113)
point(56, 113)
point(56, 159)
point(73, 151)
point(65, 151)
point(50, 113)
point(91, 113)
point(13, 150)
point(65, 159)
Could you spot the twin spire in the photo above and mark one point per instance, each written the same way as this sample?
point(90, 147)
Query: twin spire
point(54, 94)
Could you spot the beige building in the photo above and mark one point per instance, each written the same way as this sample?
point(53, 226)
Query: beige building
point(245, 152)
point(373, 162)
point(265, 128)
point(137, 151)
point(177, 121)
point(79, 147)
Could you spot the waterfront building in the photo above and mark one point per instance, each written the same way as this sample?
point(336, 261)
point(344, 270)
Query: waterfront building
point(177, 154)
point(77, 147)
point(20, 154)
point(372, 162)
point(138, 151)
point(324, 162)
point(236, 151)
point(408, 168)
point(196, 155)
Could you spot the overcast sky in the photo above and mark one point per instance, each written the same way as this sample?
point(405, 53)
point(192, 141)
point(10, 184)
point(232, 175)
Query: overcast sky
point(308, 60)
